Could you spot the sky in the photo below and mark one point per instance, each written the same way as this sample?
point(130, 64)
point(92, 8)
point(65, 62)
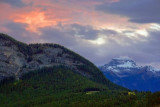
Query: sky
point(98, 30)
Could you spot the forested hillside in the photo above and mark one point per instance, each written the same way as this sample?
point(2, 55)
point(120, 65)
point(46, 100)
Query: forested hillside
point(59, 86)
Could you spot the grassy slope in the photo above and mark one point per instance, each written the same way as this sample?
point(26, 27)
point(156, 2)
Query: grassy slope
point(59, 86)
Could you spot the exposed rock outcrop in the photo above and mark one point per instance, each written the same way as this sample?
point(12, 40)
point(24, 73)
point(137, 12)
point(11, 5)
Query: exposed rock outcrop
point(17, 58)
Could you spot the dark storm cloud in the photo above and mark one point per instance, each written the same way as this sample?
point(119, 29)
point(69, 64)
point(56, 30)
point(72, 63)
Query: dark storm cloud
point(139, 11)
point(16, 3)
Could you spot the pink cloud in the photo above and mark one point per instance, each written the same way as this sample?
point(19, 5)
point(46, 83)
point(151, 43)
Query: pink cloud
point(49, 13)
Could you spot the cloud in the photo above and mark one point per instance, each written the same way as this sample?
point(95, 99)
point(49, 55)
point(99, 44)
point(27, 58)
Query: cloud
point(144, 50)
point(139, 11)
point(98, 36)
point(56, 35)
point(16, 3)
point(90, 33)
point(18, 31)
point(86, 32)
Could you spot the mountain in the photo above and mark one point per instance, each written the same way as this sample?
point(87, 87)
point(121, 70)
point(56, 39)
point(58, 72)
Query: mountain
point(50, 75)
point(17, 58)
point(125, 72)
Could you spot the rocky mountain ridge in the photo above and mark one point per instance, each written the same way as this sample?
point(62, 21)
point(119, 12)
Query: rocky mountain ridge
point(17, 58)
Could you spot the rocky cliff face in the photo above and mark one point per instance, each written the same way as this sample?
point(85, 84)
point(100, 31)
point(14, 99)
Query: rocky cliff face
point(17, 58)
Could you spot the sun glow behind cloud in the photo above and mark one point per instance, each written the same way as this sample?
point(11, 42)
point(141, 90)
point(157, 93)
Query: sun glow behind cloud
point(98, 41)
point(142, 32)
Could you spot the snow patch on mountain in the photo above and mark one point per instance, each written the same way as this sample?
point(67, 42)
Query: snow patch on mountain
point(152, 69)
point(127, 64)
point(112, 68)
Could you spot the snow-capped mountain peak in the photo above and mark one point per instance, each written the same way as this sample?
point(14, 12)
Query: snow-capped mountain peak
point(119, 65)
point(122, 63)
point(125, 72)
point(127, 64)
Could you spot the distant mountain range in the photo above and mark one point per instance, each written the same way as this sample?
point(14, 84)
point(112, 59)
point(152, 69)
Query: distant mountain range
point(125, 72)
